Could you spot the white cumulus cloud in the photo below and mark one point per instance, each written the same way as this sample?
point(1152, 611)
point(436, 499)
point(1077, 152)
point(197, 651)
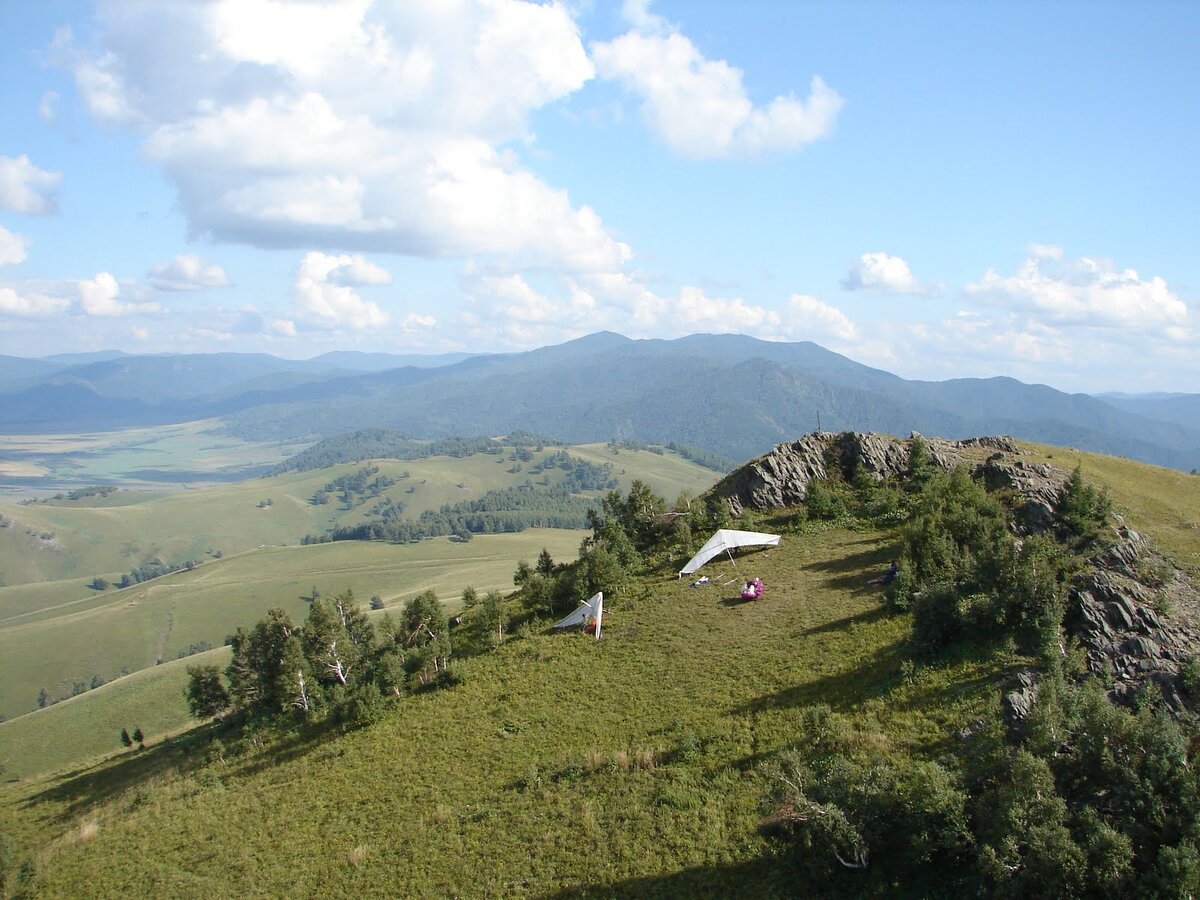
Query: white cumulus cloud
point(14, 302)
point(508, 307)
point(356, 125)
point(810, 319)
point(24, 188)
point(325, 296)
point(880, 273)
point(98, 297)
point(12, 247)
point(698, 106)
point(186, 272)
point(1083, 291)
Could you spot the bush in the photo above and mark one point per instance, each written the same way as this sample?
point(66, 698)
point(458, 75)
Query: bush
point(1189, 676)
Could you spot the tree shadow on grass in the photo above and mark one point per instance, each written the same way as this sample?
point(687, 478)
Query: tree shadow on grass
point(851, 572)
point(764, 877)
point(87, 788)
point(841, 691)
point(865, 617)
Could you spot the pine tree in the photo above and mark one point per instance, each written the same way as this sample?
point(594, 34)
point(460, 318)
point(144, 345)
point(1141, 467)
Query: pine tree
point(140, 738)
point(125, 738)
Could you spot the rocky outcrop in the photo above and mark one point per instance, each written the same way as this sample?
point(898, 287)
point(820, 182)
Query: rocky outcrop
point(1036, 485)
point(781, 478)
point(1018, 703)
point(1120, 622)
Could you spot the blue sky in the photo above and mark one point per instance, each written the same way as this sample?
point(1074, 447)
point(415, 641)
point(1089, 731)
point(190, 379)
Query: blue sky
point(938, 189)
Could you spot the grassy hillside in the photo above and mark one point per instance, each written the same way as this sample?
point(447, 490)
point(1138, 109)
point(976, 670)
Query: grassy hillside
point(64, 540)
point(59, 644)
point(628, 765)
point(1162, 502)
point(559, 766)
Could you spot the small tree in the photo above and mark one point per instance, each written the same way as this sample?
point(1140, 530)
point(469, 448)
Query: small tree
point(206, 693)
point(43, 699)
point(545, 563)
point(140, 738)
point(470, 597)
point(100, 584)
point(125, 738)
point(493, 616)
point(376, 602)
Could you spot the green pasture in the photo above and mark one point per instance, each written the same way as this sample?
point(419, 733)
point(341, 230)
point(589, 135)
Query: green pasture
point(65, 540)
point(154, 456)
point(65, 641)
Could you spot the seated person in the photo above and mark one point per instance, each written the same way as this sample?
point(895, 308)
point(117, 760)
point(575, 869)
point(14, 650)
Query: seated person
point(889, 576)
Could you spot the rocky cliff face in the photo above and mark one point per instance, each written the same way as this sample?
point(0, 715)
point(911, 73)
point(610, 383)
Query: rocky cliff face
point(1135, 615)
point(781, 478)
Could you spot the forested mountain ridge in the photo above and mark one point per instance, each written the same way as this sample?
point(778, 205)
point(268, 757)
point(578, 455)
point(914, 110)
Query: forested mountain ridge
point(728, 394)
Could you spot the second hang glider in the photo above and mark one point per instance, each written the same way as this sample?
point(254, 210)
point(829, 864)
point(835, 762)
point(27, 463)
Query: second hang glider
point(726, 541)
point(587, 614)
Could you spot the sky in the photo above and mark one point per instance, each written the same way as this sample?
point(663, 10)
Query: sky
point(938, 189)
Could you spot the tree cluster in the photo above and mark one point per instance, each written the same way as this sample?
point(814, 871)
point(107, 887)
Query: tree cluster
point(150, 568)
point(964, 572)
point(335, 665)
point(1093, 800)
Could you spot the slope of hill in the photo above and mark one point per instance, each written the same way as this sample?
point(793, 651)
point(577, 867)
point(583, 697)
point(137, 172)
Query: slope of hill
point(143, 629)
point(639, 765)
point(57, 632)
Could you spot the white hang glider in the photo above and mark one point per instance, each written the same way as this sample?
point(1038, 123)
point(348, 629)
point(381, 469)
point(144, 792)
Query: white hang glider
point(725, 541)
point(592, 610)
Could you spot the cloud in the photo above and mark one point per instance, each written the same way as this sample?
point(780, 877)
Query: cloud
point(46, 107)
point(508, 308)
point(818, 321)
point(24, 188)
point(351, 125)
point(359, 271)
point(878, 273)
point(283, 327)
point(699, 107)
point(1084, 291)
point(12, 247)
point(98, 298)
point(139, 333)
point(186, 272)
point(14, 302)
point(324, 294)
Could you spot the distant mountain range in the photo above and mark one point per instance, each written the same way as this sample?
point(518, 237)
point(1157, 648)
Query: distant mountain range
point(730, 394)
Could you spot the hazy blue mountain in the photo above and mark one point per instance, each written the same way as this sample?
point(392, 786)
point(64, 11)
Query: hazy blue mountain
point(358, 361)
point(729, 394)
point(1177, 409)
point(17, 372)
